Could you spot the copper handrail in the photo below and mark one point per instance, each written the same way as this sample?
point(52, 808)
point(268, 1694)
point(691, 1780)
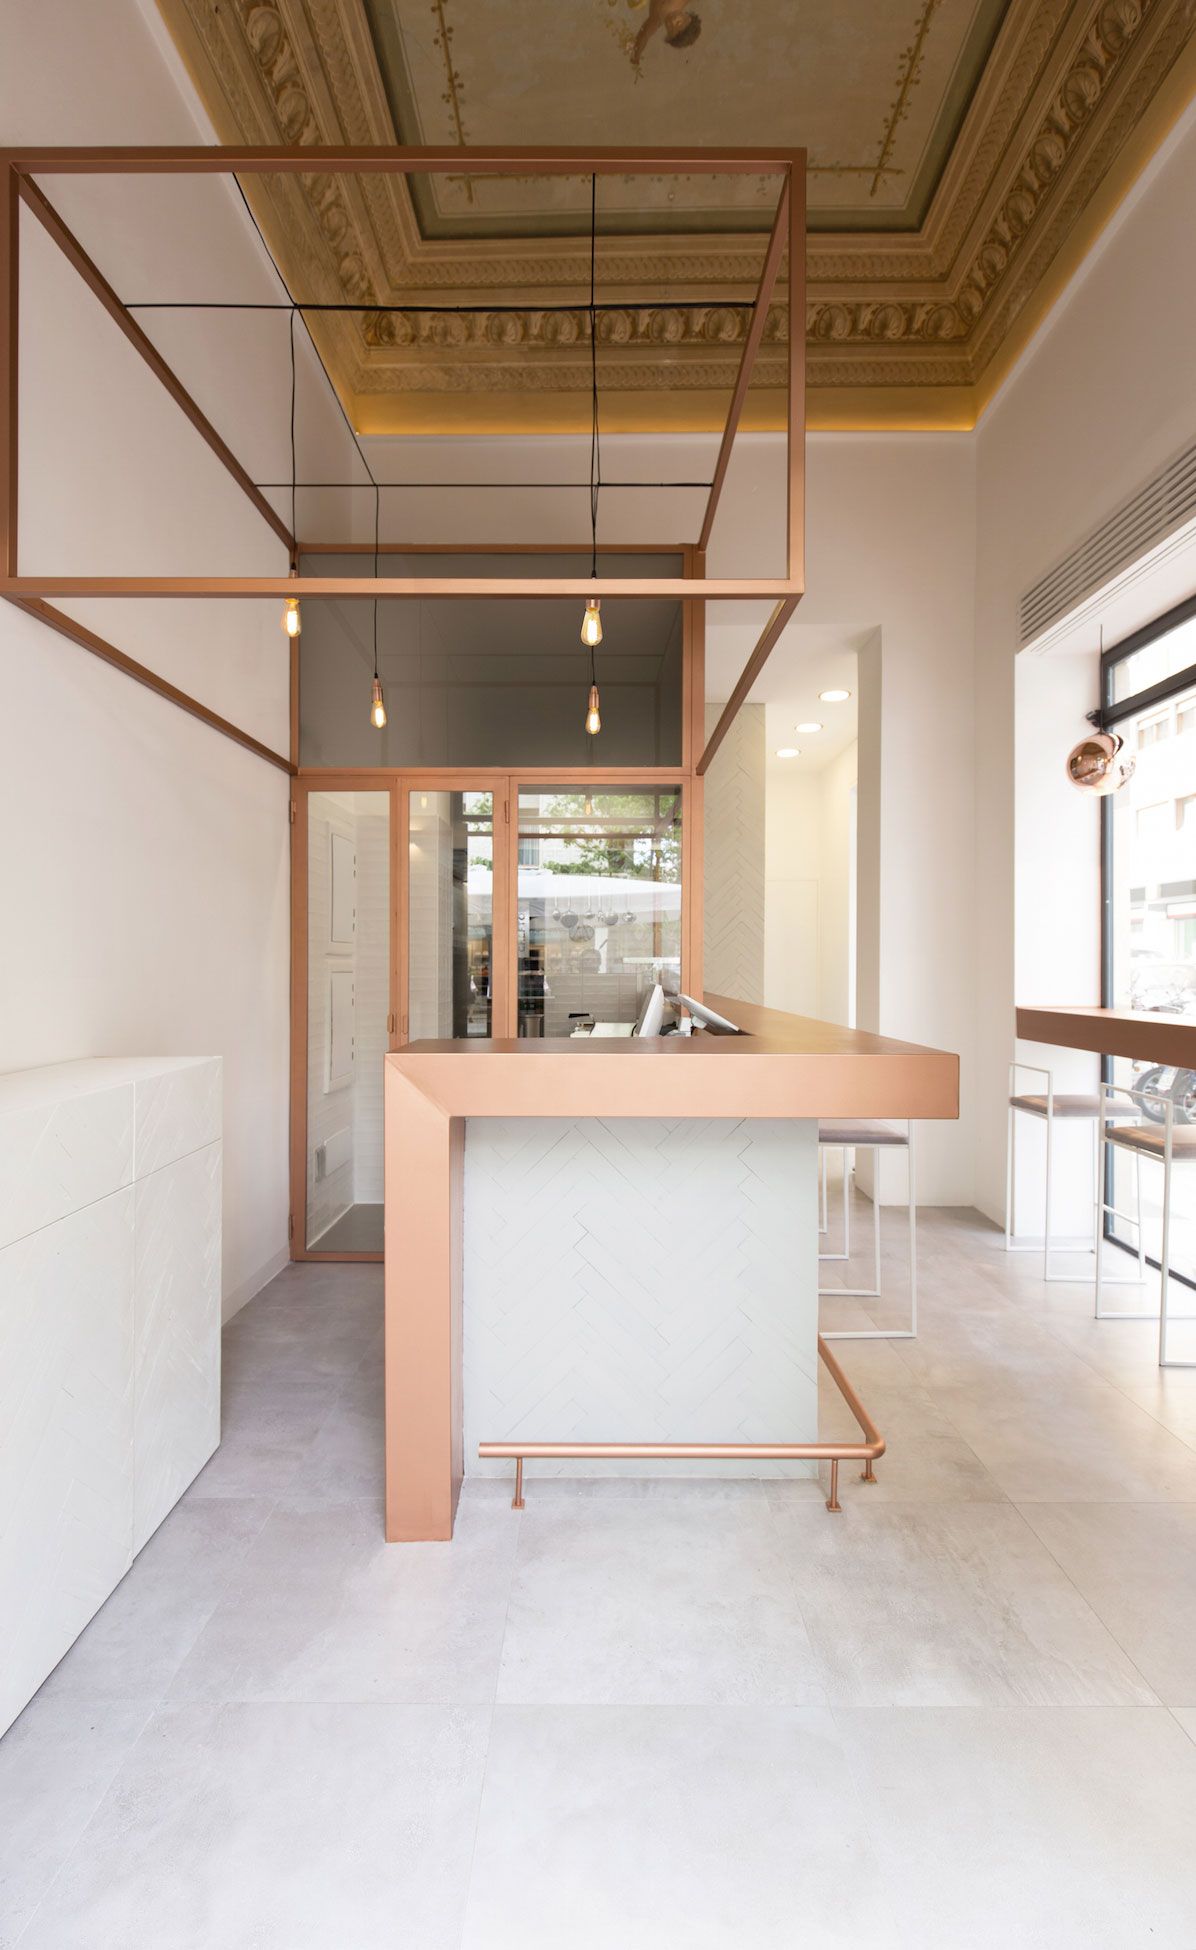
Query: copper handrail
point(867, 1451)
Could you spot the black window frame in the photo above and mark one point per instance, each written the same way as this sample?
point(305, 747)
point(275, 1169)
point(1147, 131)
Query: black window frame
point(1112, 713)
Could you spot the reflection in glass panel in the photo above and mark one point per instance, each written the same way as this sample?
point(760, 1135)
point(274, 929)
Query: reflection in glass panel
point(348, 1002)
point(599, 903)
point(1152, 894)
point(451, 908)
point(503, 682)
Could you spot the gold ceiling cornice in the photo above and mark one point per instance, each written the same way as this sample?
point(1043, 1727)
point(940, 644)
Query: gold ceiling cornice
point(903, 329)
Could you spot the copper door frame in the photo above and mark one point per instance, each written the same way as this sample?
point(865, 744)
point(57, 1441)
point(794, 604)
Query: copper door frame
point(303, 788)
point(18, 168)
point(504, 787)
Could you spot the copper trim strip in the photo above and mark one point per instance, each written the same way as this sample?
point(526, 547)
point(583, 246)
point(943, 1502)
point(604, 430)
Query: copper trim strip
point(867, 1451)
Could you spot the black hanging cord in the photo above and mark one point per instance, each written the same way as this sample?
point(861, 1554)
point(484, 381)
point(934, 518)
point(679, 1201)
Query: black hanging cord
point(295, 306)
point(377, 517)
point(595, 445)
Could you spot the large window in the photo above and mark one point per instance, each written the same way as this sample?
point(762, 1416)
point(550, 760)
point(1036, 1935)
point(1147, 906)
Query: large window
point(1150, 825)
point(1149, 872)
point(599, 903)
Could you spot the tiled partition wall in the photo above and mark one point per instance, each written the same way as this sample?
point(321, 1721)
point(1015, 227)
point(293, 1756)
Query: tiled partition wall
point(733, 914)
point(110, 1185)
point(634, 1279)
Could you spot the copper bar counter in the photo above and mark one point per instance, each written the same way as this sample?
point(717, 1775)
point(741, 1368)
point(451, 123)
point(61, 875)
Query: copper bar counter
point(1140, 1034)
point(782, 1068)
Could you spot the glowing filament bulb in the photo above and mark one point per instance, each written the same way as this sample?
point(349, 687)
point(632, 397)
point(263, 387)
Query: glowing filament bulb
point(290, 618)
point(591, 624)
point(593, 715)
point(377, 705)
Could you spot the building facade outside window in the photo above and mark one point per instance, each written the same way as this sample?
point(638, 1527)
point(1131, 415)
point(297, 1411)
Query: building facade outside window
point(1148, 837)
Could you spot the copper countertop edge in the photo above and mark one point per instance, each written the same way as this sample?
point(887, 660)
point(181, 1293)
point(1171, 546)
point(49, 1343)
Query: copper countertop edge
point(789, 1066)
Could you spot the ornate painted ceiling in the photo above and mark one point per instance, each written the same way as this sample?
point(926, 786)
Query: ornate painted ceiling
point(962, 154)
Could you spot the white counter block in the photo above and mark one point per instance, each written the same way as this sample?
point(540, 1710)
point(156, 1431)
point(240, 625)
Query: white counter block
point(66, 1435)
point(61, 1152)
point(109, 1333)
point(633, 1279)
point(177, 1329)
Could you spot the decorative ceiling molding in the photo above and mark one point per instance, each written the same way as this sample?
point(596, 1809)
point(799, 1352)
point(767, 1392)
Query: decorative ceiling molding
point(1060, 107)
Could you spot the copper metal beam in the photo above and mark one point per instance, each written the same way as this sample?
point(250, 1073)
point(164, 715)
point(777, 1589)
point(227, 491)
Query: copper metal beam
point(751, 670)
point(98, 284)
point(108, 653)
point(10, 215)
point(747, 359)
point(795, 526)
point(394, 158)
point(431, 588)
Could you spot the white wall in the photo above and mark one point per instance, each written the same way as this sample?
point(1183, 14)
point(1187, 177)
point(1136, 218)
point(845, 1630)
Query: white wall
point(735, 907)
point(792, 873)
point(1101, 401)
point(145, 858)
point(810, 889)
point(836, 887)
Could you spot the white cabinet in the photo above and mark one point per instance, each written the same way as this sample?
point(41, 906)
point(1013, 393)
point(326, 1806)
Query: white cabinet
point(109, 1333)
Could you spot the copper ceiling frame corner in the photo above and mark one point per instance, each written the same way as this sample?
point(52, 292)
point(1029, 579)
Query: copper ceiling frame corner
point(18, 167)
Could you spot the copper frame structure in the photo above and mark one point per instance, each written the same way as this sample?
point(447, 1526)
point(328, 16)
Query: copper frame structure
point(20, 167)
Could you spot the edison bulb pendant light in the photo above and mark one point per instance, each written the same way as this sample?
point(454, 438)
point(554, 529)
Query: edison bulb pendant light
point(290, 619)
point(591, 624)
point(593, 714)
point(377, 705)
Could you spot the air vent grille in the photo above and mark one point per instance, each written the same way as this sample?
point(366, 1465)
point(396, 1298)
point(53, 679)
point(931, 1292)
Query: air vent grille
point(1140, 524)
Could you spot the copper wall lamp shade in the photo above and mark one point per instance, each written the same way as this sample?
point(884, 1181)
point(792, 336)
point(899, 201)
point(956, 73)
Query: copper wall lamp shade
point(1096, 764)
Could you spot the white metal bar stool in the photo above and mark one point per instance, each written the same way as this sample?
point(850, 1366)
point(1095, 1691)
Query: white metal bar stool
point(850, 1135)
point(1155, 1136)
point(1047, 1106)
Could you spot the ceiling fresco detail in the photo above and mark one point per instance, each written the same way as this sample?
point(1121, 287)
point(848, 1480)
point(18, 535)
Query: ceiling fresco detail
point(956, 149)
point(878, 92)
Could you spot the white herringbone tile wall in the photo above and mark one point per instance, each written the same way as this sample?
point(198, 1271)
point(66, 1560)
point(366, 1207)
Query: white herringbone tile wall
point(733, 915)
point(639, 1280)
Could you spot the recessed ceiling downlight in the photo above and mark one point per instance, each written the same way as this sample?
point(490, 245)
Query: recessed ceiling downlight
point(833, 697)
point(811, 724)
point(788, 751)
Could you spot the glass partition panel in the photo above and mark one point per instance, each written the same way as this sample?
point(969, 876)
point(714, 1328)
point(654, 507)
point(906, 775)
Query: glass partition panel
point(451, 914)
point(599, 906)
point(348, 1003)
point(489, 683)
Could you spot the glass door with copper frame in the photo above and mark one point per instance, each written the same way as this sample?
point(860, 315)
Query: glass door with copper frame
point(344, 1016)
point(455, 959)
point(434, 906)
